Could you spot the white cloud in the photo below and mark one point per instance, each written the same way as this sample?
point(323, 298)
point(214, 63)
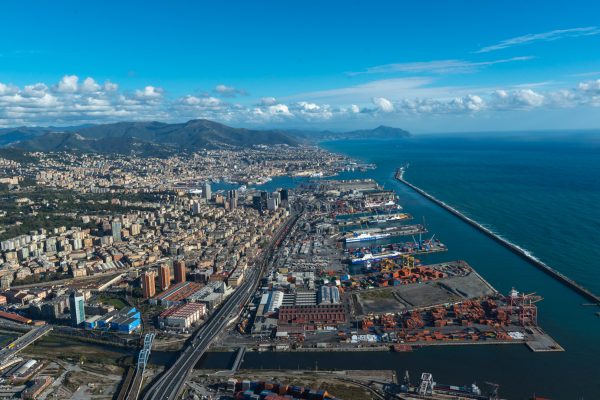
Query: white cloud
point(35, 90)
point(149, 93)
point(590, 86)
point(268, 101)
point(200, 101)
point(383, 104)
point(312, 111)
point(7, 89)
point(437, 66)
point(229, 91)
point(373, 102)
point(470, 103)
point(542, 37)
point(68, 102)
point(517, 99)
point(89, 85)
point(68, 84)
point(110, 87)
point(279, 109)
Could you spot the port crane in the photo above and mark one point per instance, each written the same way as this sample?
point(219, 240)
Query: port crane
point(524, 305)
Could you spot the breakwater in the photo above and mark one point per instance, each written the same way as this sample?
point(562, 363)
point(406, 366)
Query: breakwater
point(509, 245)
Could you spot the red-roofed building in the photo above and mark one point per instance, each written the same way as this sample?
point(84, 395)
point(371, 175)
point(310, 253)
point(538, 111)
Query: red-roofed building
point(182, 316)
point(323, 314)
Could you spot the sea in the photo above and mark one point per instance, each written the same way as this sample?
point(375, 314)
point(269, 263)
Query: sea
point(541, 191)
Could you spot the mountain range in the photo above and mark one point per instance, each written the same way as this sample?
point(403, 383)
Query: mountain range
point(158, 138)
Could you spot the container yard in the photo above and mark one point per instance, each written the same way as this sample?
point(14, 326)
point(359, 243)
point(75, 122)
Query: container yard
point(491, 319)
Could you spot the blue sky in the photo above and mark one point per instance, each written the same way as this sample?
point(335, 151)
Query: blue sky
point(425, 66)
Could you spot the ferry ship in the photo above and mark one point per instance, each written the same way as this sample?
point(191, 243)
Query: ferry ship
point(383, 204)
point(382, 219)
point(363, 237)
point(370, 257)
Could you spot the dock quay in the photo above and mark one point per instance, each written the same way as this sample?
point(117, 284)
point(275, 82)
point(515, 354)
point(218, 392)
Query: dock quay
point(511, 246)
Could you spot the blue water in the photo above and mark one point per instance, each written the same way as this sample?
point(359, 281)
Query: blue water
point(539, 190)
point(542, 195)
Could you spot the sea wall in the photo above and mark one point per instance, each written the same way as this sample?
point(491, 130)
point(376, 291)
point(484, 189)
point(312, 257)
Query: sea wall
point(511, 246)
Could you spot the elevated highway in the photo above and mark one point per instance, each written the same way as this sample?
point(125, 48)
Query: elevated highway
point(22, 342)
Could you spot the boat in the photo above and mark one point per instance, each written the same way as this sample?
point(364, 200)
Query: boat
point(370, 257)
point(383, 204)
point(395, 217)
point(472, 389)
point(363, 237)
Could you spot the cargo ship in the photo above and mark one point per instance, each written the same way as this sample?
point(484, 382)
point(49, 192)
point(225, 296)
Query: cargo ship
point(363, 237)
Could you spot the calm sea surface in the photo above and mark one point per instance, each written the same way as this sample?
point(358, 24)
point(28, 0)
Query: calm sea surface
point(538, 190)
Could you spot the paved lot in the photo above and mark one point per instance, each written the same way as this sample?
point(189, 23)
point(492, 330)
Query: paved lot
point(406, 297)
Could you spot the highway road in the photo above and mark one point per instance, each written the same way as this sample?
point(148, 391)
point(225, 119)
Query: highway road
point(169, 385)
point(22, 342)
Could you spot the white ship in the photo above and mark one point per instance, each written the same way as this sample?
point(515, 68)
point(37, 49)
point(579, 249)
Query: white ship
point(370, 257)
point(383, 204)
point(382, 218)
point(363, 237)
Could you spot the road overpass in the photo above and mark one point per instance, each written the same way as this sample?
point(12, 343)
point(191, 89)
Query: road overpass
point(22, 342)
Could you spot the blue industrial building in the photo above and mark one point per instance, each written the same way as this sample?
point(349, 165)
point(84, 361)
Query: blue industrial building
point(126, 320)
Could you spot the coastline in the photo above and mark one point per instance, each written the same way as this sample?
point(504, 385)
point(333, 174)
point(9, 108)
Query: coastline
point(570, 283)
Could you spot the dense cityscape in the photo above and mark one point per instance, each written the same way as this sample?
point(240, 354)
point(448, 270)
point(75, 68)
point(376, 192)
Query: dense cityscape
point(285, 200)
point(152, 255)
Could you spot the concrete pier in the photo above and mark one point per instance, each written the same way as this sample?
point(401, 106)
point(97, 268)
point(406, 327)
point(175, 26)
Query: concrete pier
point(514, 248)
